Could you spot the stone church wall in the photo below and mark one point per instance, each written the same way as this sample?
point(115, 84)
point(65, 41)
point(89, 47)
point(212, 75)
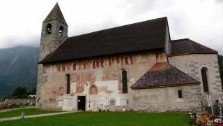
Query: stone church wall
point(192, 65)
point(166, 99)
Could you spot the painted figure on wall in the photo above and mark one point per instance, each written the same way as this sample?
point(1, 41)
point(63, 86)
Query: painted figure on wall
point(93, 90)
point(80, 88)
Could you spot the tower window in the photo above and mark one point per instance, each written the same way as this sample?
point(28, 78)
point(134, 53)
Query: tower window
point(124, 82)
point(48, 28)
point(68, 83)
point(180, 94)
point(61, 31)
point(204, 71)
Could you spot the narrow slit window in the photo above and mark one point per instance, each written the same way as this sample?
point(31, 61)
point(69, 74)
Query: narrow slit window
point(204, 79)
point(124, 82)
point(68, 83)
point(180, 94)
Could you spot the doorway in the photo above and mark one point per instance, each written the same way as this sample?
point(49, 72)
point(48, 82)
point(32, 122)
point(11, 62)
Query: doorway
point(81, 101)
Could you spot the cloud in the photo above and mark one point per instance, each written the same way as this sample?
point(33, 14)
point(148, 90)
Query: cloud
point(200, 20)
point(218, 1)
point(14, 41)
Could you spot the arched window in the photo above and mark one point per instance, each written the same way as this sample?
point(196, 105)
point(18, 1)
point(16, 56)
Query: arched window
point(48, 28)
point(204, 76)
point(61, 31)
point(93, 90)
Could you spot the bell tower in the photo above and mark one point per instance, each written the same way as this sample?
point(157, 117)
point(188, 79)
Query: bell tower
point(54, 32)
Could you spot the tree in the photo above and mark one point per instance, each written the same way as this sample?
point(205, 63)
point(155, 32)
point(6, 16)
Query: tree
point(20, 92)
point(220, 62)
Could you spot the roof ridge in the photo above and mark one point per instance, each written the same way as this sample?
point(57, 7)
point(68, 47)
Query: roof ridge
point(121, 26)
point(182, 39)
point(166, 77)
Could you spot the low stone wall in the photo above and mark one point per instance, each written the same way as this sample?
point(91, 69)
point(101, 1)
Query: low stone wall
point(19, 101)
point(1, 103)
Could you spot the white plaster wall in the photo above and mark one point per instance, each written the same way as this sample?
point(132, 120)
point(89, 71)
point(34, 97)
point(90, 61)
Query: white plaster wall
point(107, 75)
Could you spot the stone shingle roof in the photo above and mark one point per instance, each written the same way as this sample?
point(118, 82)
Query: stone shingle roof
point(187, 46)
point(143, 36)
point(163, 75)
point(55, 14)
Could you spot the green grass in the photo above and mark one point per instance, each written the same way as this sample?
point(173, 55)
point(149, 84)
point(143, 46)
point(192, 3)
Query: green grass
point(28, 111)
point(105, 119)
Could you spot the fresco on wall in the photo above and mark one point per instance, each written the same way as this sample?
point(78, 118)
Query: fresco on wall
point(93, 90)
point(80, 88)
point(53, 92)
point(95, 64)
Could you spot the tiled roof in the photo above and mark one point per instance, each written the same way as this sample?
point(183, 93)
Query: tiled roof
point(187, 46)
point(163, 75)
point(142, 36)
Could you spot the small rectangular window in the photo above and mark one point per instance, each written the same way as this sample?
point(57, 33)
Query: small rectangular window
point(68, 83)
point(180, 94)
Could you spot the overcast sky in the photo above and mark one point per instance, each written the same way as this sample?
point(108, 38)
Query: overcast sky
point(199, 20)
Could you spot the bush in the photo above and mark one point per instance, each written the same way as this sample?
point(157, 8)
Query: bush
point(20, 92)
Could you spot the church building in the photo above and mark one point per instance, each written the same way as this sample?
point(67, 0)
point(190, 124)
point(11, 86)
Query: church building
point(135, 67)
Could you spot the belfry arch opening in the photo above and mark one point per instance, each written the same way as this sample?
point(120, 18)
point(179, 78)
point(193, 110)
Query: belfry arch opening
point(49, 29)
point(61, 29)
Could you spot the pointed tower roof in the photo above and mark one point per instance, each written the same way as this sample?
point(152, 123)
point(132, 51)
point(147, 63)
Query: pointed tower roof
point(55, 14)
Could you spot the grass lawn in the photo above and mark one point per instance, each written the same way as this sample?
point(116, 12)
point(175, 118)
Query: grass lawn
point(105, 119)
point(28, 111)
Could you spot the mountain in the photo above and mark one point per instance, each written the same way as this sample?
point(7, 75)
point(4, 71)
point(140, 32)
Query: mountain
point(18, 67)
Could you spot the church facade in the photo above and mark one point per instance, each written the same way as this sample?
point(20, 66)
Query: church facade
point(136, 67)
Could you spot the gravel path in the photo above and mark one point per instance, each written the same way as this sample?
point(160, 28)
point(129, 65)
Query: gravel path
point(34, 116)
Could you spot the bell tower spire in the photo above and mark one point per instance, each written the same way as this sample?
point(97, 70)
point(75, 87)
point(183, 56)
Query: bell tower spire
point(54, 31)
point(55, 14)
